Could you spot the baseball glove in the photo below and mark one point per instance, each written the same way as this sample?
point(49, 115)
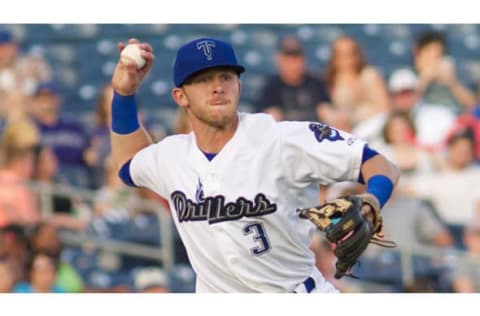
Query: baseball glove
point(346, 227)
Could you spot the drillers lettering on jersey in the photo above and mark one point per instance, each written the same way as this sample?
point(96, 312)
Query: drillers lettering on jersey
point(215, 210)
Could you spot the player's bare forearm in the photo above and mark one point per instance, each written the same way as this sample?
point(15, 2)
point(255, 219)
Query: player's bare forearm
point(125, 146)
point(380, 165)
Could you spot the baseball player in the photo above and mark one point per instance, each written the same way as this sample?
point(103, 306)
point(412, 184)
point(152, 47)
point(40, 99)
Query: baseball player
point(233, 185)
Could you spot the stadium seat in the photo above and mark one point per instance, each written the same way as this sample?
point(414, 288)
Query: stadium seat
point(182, 279)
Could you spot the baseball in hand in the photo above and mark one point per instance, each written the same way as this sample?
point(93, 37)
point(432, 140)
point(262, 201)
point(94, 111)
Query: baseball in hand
point(133, 52)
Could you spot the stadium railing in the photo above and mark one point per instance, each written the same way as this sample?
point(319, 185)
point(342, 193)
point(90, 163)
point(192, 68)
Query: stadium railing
point(164, 252)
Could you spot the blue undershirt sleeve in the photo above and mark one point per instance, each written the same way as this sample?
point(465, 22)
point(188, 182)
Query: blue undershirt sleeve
point(366, 155)
point(124, 174)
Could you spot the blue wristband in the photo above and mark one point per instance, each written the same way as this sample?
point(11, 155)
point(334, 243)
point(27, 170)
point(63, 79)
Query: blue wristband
point(381, 187)
point(124, 114)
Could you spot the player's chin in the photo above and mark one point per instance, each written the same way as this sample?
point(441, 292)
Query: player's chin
point(221, 118)
point(223, 110)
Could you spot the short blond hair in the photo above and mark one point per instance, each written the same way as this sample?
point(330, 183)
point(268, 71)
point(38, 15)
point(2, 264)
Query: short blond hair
point(20, 134)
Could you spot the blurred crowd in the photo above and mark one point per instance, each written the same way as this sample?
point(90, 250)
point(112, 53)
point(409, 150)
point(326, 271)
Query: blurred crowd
point(421, 117)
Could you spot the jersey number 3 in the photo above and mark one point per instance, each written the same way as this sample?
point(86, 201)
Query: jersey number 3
point(263, 245)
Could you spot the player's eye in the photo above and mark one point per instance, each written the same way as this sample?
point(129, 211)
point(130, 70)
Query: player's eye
point(226, 76)
point(202, 79)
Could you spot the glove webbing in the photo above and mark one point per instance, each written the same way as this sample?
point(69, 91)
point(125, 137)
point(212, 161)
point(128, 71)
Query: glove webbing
point(379, 241)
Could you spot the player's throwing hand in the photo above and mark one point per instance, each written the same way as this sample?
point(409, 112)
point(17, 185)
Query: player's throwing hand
point(126, 77)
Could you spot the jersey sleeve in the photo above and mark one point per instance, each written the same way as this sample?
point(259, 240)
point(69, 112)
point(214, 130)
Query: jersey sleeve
point(146, 169)
point(317, 152)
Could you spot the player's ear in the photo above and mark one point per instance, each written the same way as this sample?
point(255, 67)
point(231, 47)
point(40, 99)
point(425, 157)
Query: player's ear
point(179, 97)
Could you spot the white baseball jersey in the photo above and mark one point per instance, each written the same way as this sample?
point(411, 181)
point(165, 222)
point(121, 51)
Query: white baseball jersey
point(236, 214)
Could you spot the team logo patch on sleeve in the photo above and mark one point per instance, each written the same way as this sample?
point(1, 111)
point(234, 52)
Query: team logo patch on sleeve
point(323, 131)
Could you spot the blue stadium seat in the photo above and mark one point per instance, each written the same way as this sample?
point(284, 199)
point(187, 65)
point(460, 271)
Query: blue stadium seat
point(106, 281)
point(182, 279)
point(383, 268)
point(82, 260)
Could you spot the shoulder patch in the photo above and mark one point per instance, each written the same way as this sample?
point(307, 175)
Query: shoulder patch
point(323, 131)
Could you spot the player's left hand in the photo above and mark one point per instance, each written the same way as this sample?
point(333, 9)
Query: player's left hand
point(351, 223)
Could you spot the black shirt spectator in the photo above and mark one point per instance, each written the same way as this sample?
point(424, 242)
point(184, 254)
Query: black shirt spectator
point(293, 93)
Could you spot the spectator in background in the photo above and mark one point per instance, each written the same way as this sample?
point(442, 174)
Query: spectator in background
point(452, 190)
point(400, 146)
point(402, 85)
point(99, 148)
point(18, 203)
point(67, 138)
point(466, 271)
point(467, 121)
point(14, 246)
point(45, 239)
point(442, 95)
point(42, 268)
point(13, 107)
point(404, 96)
point(294, 93)
point(356, 88)
point(438, 83)
point(65, 210)
point(19, 132)
point(45, 169)
point(19, 72)
point(7, 274)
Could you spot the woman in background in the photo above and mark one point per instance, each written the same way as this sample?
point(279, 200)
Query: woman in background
point(355, 87)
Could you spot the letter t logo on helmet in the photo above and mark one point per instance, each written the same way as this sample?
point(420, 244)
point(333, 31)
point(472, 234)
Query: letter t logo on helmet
point(206, 46)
